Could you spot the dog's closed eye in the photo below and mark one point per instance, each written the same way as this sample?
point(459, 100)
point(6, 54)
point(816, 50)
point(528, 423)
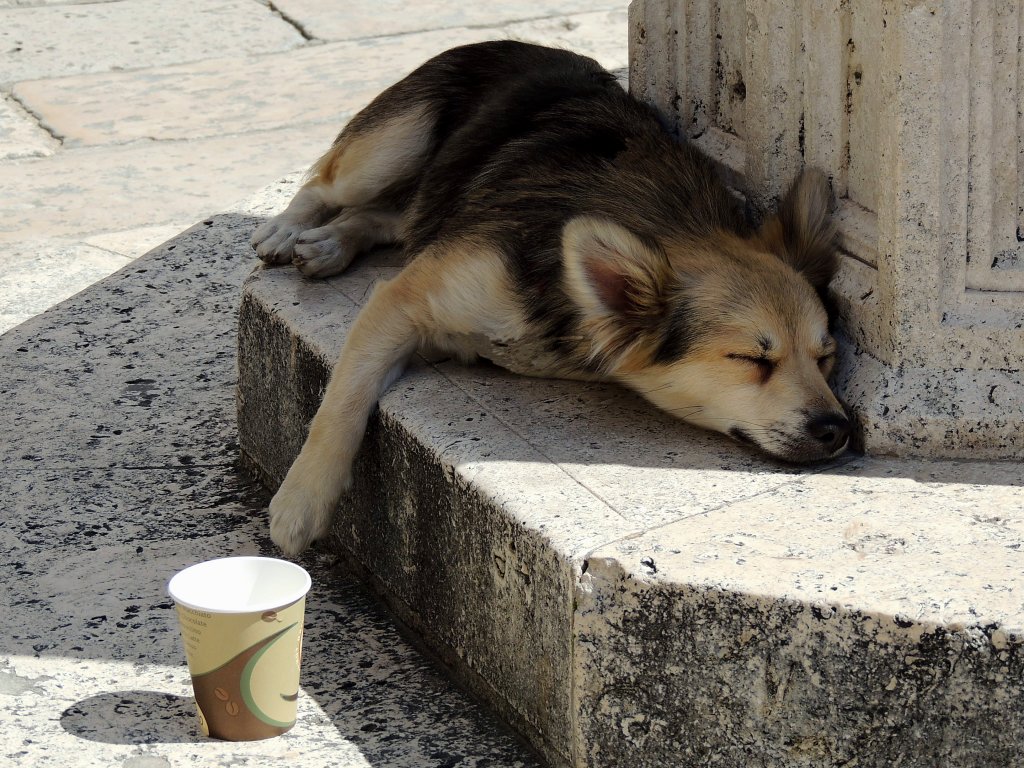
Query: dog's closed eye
point(764, 365)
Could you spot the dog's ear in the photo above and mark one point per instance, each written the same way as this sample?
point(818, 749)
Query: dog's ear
point(801, 233)
point(612, 273)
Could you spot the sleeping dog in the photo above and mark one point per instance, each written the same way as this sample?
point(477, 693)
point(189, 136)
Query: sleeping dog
point(552, 225)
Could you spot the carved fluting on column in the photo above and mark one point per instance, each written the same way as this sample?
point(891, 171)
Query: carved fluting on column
point(914, 109)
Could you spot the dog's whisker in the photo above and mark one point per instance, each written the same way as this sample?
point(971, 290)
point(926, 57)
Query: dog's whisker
point(689, 411)
point(656, 389)
point(764, 426)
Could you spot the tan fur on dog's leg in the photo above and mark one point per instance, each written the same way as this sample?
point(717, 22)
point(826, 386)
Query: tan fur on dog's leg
point(360, 166)
point(458, 291)
point(378, 346)
point(364, 162)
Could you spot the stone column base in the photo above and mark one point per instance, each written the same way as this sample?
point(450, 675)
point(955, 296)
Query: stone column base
point(913, 110)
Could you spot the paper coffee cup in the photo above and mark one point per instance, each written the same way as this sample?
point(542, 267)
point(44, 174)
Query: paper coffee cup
point(241, 620)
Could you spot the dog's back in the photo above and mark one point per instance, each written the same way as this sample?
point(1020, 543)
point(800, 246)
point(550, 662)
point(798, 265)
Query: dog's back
point(540, 135)
point(525, 138)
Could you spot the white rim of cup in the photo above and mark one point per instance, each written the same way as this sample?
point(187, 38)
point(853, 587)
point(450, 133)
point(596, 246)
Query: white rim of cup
point(287, 565)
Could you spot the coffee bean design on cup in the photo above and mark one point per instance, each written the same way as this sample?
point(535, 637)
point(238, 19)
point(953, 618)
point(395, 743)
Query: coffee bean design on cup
point(224, 696)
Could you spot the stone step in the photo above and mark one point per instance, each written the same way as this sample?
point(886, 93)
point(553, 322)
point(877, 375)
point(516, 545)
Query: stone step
point(627, 590)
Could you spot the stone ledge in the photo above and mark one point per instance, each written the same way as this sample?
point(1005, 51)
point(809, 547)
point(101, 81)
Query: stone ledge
point(626, 589)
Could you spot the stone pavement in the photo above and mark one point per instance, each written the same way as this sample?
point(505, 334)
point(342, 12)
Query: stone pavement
point(122, 123)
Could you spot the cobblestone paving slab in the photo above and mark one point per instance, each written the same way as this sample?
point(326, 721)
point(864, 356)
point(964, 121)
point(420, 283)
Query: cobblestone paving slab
point(136, 242)
point(20, 135)
point(105, 189)
point(321, 83)
point(36, 3)
point(36, 273)
point(120, 419)
point(9, 321)
point(68, 40)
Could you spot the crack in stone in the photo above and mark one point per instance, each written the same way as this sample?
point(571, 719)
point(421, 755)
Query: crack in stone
point(525, 439)
point(35, 117)
point(838, 463)
point(497, 26)
point(306, 34)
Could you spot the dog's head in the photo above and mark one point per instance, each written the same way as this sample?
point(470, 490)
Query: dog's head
point(726, 332)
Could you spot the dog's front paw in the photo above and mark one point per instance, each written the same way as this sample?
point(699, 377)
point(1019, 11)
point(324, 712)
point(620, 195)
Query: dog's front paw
point(274, 240)
point(298, 518)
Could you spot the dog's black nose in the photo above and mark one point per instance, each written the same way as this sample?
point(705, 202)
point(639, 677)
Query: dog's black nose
point(832, 430)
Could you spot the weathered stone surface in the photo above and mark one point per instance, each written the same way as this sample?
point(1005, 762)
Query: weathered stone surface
point(152, 182)
point(329, 20)
point(134, 34)
point(692, 567)
point(933, 411)
point(650, 468)
point(9, 321)
point(326, 83)
point(125, 415)
point(874, 615)
point(118, 467)
point(600, 35)
point(20, 135)
point(34, 3)
point(927, 173)
point(135, 242)
point(448, 555)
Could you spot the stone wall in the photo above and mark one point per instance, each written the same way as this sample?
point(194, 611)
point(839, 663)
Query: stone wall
point(914, 110)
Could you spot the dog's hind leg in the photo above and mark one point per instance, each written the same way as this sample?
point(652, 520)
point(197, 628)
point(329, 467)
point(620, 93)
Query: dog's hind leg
point(383, 146)
point(439, 294)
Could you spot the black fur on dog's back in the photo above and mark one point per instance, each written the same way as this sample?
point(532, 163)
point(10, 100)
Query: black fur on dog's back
point(528, 137)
